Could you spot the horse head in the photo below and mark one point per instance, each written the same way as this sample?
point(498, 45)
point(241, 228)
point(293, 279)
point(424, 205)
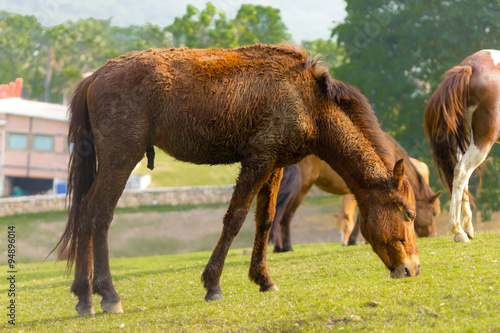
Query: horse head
point(388, 225)
point(427, 210)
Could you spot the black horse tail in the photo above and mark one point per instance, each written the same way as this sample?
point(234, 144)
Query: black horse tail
point(290, 186)
point(82, 169)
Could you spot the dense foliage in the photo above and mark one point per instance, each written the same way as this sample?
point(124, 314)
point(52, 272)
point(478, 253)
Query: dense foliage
point(395, 51)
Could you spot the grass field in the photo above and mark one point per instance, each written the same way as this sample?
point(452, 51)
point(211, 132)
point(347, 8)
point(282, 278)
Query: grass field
point(171, 172)
point(323, 287)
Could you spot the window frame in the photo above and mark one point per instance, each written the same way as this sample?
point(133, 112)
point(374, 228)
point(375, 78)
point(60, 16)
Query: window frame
point(25, 148)
point(34, 148)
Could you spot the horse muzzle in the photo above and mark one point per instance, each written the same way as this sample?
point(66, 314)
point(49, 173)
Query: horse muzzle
point(410, 267)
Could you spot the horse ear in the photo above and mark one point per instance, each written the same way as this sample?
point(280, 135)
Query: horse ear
point(435, 196)
point(399, 173)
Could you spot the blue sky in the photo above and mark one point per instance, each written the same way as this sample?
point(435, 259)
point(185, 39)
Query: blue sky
point(305, 20)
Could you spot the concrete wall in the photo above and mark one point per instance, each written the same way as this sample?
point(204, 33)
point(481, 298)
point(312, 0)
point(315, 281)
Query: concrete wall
point(130, 198)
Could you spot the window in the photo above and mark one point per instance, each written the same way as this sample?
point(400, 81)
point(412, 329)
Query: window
point(18, 141)
point(43, 143)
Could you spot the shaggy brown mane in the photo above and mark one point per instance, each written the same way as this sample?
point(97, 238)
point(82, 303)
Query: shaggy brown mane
point(355, 105)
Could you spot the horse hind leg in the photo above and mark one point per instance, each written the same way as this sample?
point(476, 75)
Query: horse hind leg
point(113, 173)
point(83, 264)
point(264, 215)
point(286, 221)
point(463, 171)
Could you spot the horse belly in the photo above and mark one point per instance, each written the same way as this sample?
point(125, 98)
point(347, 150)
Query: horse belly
point(217, 128)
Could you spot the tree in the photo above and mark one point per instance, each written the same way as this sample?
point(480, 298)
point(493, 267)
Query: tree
point(260, 24)
point(202, 29)
point(137, 37)
point(20, 51)
point(397, 52)
point(73, 48)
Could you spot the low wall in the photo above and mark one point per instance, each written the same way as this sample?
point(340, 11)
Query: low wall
point(193, 195)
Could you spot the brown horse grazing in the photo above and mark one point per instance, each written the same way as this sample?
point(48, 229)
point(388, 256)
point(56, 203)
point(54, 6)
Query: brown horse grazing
point(297, 182)
point(264, 106)
point(462, 121)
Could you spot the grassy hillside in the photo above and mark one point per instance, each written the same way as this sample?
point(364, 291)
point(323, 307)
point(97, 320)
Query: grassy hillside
point(171, 172)
point(322, 287)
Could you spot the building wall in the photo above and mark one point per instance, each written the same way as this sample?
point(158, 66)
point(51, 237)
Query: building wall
point(30, 163)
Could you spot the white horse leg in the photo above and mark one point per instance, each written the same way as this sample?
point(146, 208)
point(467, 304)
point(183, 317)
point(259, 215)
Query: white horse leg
point(467, 215)
point(463, 170)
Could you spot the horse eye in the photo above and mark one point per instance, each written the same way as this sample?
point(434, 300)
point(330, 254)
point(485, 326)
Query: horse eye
point(410, 215)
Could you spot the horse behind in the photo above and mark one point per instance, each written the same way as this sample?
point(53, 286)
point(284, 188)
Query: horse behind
point(462, 122)
point(266, 107)
point(299, 179)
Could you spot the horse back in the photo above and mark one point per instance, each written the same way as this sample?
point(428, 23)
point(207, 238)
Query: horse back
point(214, 106)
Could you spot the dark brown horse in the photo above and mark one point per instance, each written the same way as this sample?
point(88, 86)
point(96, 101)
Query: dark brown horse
point(264, 106)
point(298, 180)
point(462, 121)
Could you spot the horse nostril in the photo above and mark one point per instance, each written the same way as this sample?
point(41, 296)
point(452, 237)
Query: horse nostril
point(407, 272)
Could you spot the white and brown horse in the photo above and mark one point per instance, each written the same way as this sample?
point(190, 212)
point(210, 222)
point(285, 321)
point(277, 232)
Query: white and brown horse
point(462, 121)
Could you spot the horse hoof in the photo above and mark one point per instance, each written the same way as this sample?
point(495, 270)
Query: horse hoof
point(470, 233)
point(112, 307)
point(271, 288)
point(461, 237)
point(213, 296)
point(84, 310)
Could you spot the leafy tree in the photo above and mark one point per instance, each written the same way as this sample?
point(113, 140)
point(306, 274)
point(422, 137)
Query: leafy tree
point(397, 52)
point(137, 37)
point(260, 24)
point(20, 51)
point(52, 59)
point(73, 48)
point(202, 29)
point(211, 28)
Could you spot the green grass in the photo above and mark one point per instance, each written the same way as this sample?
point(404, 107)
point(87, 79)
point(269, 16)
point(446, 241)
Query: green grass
point(171, 172)
point(141, 231)
point(322, 287)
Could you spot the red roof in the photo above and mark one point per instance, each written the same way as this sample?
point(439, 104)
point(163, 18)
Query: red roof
point(12, 89)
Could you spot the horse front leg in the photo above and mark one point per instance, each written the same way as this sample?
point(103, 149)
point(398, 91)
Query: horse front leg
point(249, 182)
point(345, 220)
point(353, 237)
point(264, 215)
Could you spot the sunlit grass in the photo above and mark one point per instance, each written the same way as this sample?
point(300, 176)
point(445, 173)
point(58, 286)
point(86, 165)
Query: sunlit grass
point(322, 287)
point(171, 172)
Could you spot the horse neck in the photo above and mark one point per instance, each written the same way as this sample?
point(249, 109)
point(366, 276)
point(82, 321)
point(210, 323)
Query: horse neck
point(355, 105)
point(347, 150)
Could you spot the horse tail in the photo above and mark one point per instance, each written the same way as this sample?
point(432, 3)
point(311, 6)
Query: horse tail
point(290, 186)
point(82, 168)
point(445, 121)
